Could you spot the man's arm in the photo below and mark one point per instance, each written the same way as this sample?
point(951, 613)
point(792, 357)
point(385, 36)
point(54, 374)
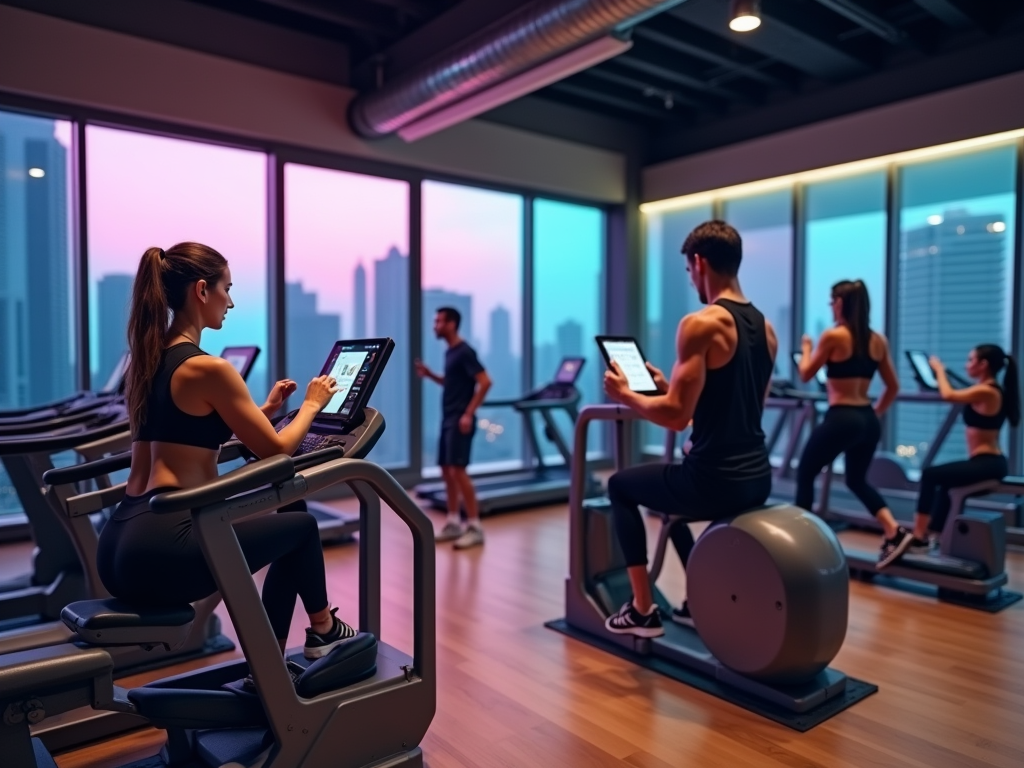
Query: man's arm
point(483, 384)
point(674, 409)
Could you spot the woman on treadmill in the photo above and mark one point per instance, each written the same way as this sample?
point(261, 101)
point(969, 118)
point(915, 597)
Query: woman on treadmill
point(183, 404)
point(851, 353)
point(987, 406)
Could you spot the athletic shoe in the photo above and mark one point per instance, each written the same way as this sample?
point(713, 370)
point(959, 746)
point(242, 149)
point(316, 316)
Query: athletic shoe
point(473, 537)
point(920, 546)
point(450, 532)
point(629, 621)
point(682, 616)
point(893, 549)
point(295, 671)
point(317, 646)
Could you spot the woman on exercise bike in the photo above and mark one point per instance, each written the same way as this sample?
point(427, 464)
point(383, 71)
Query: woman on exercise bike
point(987, 406)
point(851, 353)
point(183, 404)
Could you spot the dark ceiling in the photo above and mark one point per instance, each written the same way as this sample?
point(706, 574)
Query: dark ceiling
point(688, 83)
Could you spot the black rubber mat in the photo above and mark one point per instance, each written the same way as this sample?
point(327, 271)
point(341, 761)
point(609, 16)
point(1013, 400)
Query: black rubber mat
point(855, 689)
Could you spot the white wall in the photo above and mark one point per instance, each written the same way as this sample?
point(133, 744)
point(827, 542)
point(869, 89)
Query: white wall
point(51, 58)
point(979, 109)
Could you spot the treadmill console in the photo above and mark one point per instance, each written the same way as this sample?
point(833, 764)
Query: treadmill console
point(563, 387)
point(357, 366)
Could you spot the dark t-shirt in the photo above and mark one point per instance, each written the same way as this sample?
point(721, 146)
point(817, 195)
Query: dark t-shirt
point(460, 369)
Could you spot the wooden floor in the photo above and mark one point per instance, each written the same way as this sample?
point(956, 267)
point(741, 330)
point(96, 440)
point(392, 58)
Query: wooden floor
point(512, 693)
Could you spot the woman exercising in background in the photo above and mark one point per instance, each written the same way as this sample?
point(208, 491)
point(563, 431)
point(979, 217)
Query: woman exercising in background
point(987, 406)
point(851, 353)
point(183, 404)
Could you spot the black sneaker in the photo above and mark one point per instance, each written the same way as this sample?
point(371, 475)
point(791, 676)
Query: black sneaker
point(629, 621)
point(317, 646)
point(920, 546)
point(295, 671)
point(682, 616)
point(893, 549)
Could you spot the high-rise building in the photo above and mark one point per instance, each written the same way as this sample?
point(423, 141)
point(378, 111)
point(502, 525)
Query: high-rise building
point(113, 297)
point(947, 306)
point(35, 295)
point(359, 302)
point(391, 319)
point(309, 335)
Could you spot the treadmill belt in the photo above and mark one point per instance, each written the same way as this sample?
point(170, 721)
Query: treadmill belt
point(856, 690)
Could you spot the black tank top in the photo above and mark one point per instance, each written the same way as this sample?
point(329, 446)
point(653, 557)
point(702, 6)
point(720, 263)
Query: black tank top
point(980, 421)
point(166, 422)
point(728, 442)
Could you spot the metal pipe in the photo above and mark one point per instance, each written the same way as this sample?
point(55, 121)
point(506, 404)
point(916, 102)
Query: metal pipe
point(521, 41)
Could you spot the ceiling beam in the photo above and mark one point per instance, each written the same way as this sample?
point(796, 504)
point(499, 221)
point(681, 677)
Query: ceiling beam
point(627, 105)
point(379, 21)
point(674, 43)
point(949, 12)
point(643, 87)
point(416, 8)
point(673, 72)
point(861, 16)
point(784, 37)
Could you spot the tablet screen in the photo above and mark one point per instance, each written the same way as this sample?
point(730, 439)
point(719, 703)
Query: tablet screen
point(922, 368)
point(356, 366)
point(627, 354)
point(569, 370)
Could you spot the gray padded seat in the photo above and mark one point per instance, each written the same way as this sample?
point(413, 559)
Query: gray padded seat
point(111, 622)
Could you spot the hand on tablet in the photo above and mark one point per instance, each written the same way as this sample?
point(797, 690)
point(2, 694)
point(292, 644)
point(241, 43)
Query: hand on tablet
point(659, 378)
point(616, 385)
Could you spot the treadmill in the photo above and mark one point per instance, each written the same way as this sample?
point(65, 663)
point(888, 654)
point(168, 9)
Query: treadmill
point(544, 483)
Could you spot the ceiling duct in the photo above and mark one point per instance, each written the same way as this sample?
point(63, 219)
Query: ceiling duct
point(527, 38)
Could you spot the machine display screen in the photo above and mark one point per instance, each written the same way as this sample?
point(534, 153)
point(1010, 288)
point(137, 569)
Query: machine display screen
point(242, 359)
point(626, 352)
point(819, 377)
point(569, 370)
point(922, 369)
point(115, 382)
point(357, 366)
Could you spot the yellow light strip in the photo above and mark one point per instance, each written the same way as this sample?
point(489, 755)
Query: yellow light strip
point(832, 172)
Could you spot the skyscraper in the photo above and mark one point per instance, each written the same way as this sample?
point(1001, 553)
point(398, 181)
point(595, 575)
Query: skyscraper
point(359, 302)
point(113, 296)
point(310, 336)
point(391, 318)
point(35, 294)
point(949, 303)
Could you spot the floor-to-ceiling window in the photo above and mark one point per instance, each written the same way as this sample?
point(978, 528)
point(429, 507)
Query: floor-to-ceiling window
point(37, 297)
point(668, 291)
point(568, 306)
point(347, 276)
point(473, 262)
point(146, 190)
point(956, 271)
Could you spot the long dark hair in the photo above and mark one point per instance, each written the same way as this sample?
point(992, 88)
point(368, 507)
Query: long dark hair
point(856, 313)
point(160, 288)
point(996, 358)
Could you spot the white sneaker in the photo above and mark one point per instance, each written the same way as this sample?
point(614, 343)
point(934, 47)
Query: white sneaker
point(449, 532)
point(473, 537)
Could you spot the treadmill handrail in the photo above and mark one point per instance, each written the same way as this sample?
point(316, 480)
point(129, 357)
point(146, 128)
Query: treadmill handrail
point(65, 440)
point(90, 470)
point(276, 469)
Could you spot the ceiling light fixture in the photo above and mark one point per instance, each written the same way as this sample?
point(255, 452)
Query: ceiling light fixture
point(744, 15)
point(36, 173)
point(559, 68)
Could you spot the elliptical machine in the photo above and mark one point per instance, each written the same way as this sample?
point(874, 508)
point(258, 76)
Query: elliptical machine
point(768, 590)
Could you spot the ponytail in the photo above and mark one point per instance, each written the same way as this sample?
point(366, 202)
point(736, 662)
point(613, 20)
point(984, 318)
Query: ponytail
point(856, 313)
point(160, 288)
point(997, 359)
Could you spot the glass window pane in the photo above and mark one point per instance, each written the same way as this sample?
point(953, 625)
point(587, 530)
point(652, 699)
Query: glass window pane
point(472, 261)
point(148, 191)
point(347, 276)
point(568, 290)
point(957, 220)
point(669, 293)
point(37, 315)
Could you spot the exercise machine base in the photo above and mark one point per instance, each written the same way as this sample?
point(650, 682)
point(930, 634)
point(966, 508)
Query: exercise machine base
point(855, 690)
point(412, 759)
point(991, 602)
point(336, 526)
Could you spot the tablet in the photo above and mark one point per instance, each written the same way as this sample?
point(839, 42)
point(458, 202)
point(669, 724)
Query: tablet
point(356, 365)
point(922, 369)
point(625, 351)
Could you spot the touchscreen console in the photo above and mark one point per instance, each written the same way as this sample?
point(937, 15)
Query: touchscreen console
point(922, 369)
point(242, 359)
point(819, 377)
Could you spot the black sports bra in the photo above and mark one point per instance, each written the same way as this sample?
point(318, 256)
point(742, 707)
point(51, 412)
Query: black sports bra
point(854, 367)
point(980, 421)
point(165, 422)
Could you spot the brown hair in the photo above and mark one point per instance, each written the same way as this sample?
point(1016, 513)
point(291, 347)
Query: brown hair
point(720, 245)
point(856, 313)
point(996, 358)
point(160, 288)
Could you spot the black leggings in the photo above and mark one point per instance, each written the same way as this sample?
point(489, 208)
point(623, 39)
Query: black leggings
point(156, 559)
point(675, 489)
point(850, 429)
point(937, 480)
